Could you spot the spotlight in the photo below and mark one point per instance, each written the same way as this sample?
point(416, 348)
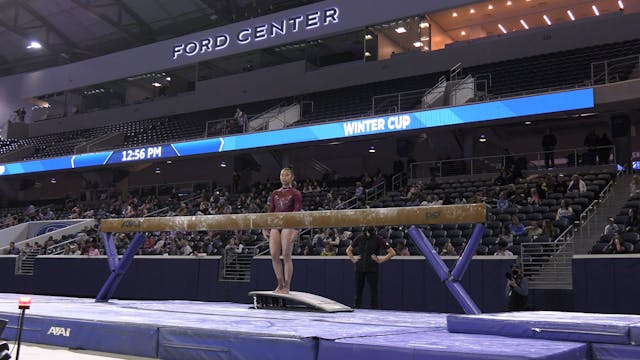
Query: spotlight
point(34, 45)
point(401, 30)
point(417, 44)
point(483, 138)
point(372, 149)
point(223, 164)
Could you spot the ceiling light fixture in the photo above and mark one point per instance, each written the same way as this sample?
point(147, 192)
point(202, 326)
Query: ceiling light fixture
point(366, 53)
point(620, 4)
point(524, 24)
point(502, 28)
point(424, 25)
point(156, 84)
point(463, 33)
point(372, 149)
point(368, 37)
point(595, 10)
point(34, 45)
point(401, 30)
point(490, 7)
point(417, 44)
point(546, 18)
point(571, 15)
point(472, 11)
point(508, 3)
point(455, 14)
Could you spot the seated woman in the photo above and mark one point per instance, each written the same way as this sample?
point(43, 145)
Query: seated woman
point(516, 226)
point(565, 213)
point(615, 246)
point(633, 221)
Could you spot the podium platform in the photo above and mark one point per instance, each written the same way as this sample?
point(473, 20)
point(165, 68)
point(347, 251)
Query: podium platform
point(296, 300)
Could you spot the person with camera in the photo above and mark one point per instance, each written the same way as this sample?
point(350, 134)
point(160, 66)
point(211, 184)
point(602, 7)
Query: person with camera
point(368, 245)
point(517, 290)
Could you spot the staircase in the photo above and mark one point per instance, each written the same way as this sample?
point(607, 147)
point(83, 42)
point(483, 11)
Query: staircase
point(548, 265)
point(237, 266)
point(25, 264)
point(590, 231)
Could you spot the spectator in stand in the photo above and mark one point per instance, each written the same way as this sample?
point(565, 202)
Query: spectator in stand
point(634, 187)
point(591, 142)
point(448, 250)
point(611, 228)
point(604, 149)
point(564, 213)
point(185, 248)
point(359, 192)
point(516, 226)
point(633, 221)
point(331, 238)
point(534, 230)
point(502, 249)
point(328, 250)
point(506, 235)
point(534, 198)
point(549, 143)
point(615, 246)
point(502, 202)
point(67, 250)
point(182, 210)
point(401, 249)
point(576, 184)
point(93, 251)
point(12, 249)
point(549, 230)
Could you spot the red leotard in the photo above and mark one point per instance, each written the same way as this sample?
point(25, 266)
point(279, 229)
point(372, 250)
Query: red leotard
point(285, 199)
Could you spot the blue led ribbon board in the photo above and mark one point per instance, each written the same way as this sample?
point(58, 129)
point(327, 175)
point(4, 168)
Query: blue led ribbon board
point(486, 111)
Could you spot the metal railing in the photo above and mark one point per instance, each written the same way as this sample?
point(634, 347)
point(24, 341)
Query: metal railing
point(237, 266)
point(396, 102)
point(548, 265)
point(613, 70)
point(375, 192)
point(564, 158)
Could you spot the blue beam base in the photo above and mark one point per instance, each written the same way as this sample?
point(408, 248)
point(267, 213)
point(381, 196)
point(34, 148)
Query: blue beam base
point(118, 268)
point(452, 278)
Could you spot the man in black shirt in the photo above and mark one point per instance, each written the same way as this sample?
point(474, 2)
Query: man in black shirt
point(368, 245)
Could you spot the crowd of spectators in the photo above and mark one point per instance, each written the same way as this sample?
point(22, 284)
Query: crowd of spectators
point(510, 202)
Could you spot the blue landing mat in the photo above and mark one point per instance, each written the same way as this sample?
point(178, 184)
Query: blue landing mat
point(441, 345)
point(581, 327)
point(615, 352)
point(198, 330)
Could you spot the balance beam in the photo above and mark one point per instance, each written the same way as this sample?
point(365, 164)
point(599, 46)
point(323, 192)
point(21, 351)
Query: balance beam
point(413, 215)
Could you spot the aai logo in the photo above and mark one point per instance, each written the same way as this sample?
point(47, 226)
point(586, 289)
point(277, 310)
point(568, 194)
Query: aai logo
point(59, 331)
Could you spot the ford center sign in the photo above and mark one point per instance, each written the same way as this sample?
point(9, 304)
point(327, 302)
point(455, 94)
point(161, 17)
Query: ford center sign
point(258, 32)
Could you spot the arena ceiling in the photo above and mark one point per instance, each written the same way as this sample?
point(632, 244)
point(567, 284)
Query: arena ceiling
point(75, 30)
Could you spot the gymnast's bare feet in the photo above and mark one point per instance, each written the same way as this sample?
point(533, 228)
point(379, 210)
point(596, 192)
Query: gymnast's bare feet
point(279, 290)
